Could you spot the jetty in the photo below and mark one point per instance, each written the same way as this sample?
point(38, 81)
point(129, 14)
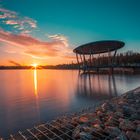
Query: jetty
point(101, 56)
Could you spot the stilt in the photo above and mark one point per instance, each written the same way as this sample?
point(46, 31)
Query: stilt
point(78, 61)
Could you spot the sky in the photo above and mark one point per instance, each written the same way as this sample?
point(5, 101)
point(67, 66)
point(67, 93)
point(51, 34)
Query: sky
point(46, 31)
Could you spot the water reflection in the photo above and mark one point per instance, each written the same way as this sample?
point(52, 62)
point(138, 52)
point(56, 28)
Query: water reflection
point(29, 97)
point(96, 86)
point(36, 94)
point(35, 83)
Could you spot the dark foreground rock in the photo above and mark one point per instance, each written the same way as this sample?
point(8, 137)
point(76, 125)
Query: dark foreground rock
point(116, 119)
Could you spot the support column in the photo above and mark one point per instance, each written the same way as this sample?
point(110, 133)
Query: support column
point(109, 54)
point(84, 59)
point(109, 63)
point(84, 62)
point(81, 59)
point(114, 56)
point(99, 60)
point(93, 64)
point(78, 61)
point(112, 62)
point(90, 59)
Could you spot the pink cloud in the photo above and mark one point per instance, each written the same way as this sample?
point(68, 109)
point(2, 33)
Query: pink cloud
point(36, 48)
point(15, 20)
point(57, 37)
point(11, 22)
point(4, 13)
point(30, 21)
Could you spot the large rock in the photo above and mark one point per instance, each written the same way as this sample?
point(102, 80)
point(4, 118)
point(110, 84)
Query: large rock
point(119, 114)
point(86, 136)
point(83, 119)
point(113, 131)
point(127, 125)
point(107, 106)
point(135, 116)
point(129, 95)
point(122, 136)
point(138, 128)
point(128, 110)
point(133, 135)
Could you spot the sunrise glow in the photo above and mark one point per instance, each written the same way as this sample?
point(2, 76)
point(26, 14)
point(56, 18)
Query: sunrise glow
point(34, 65)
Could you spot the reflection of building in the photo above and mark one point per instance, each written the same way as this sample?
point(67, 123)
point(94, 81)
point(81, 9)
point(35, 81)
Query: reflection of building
point(96, 86)
point(87, 58)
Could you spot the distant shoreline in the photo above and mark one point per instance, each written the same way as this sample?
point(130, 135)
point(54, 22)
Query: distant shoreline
point(39, 67)
point(102, 71)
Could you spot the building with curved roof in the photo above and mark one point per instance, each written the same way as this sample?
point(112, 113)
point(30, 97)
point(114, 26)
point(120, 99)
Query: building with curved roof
point(85, 54)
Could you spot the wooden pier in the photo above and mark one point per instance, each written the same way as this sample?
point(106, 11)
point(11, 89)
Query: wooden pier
point(86, 55)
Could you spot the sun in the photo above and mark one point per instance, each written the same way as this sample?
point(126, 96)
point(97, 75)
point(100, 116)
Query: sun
point(34, 65)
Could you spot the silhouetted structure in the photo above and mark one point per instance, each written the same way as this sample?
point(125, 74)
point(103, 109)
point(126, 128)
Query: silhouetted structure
point(86, 54)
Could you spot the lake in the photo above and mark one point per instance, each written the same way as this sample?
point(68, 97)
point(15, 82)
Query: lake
point(30, 97)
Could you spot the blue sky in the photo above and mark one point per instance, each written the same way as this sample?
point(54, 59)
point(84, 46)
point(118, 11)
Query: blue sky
point(78, 21)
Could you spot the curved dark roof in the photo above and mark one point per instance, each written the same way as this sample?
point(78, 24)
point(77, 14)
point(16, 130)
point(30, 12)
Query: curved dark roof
point(99, 47)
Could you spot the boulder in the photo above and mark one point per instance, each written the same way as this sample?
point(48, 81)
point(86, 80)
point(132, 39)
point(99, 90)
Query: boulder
point(86, 136)
point(127, 125)
point(119, 114)
point(138, 128)
point(83, 119)
point(135, 116)
point(113, 131)
point(106, 106)
point(128, 110)
point(122, 136)
point(133, 135)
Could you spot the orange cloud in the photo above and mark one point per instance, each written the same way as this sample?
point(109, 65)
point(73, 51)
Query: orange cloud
point(58, 46)
point(14, 62)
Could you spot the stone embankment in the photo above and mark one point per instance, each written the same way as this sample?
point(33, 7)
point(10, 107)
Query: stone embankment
point(116, 119)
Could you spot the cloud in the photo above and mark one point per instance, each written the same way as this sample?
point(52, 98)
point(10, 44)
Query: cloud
point(18, 41)
point(11, 22)
point(14, 62)
point(57, 37)
point(4, 13)
point(21, 23)
point(27, 45)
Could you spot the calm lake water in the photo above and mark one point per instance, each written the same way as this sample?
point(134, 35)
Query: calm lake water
point(29, 97)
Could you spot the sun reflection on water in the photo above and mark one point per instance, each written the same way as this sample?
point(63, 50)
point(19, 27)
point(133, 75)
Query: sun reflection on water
point(35, 83)
point(36, 94)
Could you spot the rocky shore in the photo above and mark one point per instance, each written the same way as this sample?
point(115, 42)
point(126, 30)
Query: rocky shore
point(116, 119)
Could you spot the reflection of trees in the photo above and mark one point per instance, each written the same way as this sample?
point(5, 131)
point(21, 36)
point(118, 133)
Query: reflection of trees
point(96, 86)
